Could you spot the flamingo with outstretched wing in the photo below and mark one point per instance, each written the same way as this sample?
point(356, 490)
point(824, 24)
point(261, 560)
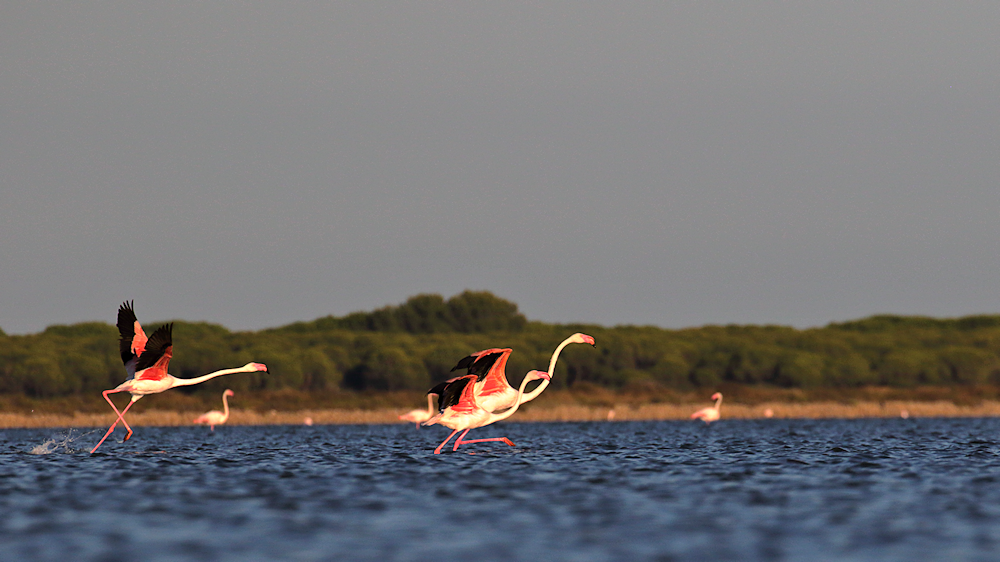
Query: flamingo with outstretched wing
point(460, 411)
point(147, 366)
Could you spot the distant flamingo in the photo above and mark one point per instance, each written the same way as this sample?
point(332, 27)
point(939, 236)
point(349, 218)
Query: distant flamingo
point(215, 417)
point(418, 416)
point(711, 413)
point(459, 410)
point(493, 392)
point(146, 363)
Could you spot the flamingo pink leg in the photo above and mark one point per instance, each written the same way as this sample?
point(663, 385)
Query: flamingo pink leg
point(460, 442)
point(115, 424)
point(438, 450)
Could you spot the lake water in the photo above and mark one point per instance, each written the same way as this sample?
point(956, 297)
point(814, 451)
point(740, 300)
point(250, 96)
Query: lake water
point(916, 489)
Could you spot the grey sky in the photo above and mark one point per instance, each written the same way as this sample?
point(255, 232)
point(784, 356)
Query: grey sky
point(673, 164)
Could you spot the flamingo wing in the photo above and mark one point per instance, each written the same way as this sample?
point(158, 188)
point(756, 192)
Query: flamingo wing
point(481, 362)
point(456, 394)
point(152, 364)
point(495, 380)
point(133, 340)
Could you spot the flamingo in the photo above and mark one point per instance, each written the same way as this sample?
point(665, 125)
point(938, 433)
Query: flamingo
point(493, 392)
point(711, 413)
point(459, 410)
point(215, 417)
point(146, 362)
point(417, 416)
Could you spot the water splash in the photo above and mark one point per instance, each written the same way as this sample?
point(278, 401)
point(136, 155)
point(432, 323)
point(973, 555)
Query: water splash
point(60, 443)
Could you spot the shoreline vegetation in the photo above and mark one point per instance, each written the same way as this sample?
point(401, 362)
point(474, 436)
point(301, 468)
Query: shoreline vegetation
point(587, 405)
point(367, 367)
point(557, 413)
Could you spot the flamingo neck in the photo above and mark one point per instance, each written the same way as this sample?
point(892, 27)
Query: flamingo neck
point(718, 403)
point(430, 404)
point(552, 369)
point(225, 407)
point(517, 403)
point(203, 378)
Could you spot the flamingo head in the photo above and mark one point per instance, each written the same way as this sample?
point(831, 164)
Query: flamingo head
point(252, 367)
point(582, 338)
point(229, 393)
point(537, 375)
point(716, 396)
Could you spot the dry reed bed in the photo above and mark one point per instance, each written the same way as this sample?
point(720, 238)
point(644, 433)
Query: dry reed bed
point(532, 413)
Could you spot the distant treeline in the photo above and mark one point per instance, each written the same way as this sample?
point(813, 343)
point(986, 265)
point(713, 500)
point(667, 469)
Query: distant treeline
point(415, 344)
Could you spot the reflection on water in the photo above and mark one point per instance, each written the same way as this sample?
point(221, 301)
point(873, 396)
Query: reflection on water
point(736, 490)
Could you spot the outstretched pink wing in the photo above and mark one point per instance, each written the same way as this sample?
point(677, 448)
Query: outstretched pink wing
point(152, 364)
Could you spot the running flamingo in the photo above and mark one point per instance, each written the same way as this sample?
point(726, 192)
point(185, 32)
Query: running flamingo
point(493, 392)
point(711, 413)
point(459, 409)
point(146, 362)
point(215, 417)
point(418, 416)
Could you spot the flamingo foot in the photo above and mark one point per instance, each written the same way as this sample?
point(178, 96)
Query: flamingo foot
point(127, 437)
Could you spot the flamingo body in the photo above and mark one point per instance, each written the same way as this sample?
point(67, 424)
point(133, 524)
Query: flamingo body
point(711, 413)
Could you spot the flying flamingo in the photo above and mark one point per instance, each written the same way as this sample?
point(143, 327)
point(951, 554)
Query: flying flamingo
point(146, 363)
point(711, 413)
point(459, 410)
point(493, 392)
point(418, 416)
point(215, 417)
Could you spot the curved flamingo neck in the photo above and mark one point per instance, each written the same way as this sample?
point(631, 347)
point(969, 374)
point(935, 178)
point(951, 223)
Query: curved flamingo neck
point(552, 369)
point(430, 404)
point(225, 406)
point(718, 403)
point(517, 403)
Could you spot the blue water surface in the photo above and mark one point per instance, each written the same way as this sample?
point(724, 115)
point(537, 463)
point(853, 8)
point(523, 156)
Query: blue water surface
point(917, 489)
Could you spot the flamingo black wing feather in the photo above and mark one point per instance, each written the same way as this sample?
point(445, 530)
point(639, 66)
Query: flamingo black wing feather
point(158, 345)
point(450, 392)
point(126, 328)
point(478, 365)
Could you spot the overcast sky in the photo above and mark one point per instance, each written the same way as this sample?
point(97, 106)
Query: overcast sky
point(675, 164)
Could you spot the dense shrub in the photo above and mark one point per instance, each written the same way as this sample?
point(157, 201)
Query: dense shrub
point(415, 344)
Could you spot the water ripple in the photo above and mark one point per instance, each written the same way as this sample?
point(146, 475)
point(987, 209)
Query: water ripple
point(736, 490)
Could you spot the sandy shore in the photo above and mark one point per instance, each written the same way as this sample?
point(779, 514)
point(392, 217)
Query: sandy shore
point(533, 413)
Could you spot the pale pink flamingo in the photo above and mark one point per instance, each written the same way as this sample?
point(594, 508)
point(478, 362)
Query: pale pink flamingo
point(419, 416)
point(493, 392)
point(215, 417)
point(459, 410)
point(148, 369)
point(711, 413)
